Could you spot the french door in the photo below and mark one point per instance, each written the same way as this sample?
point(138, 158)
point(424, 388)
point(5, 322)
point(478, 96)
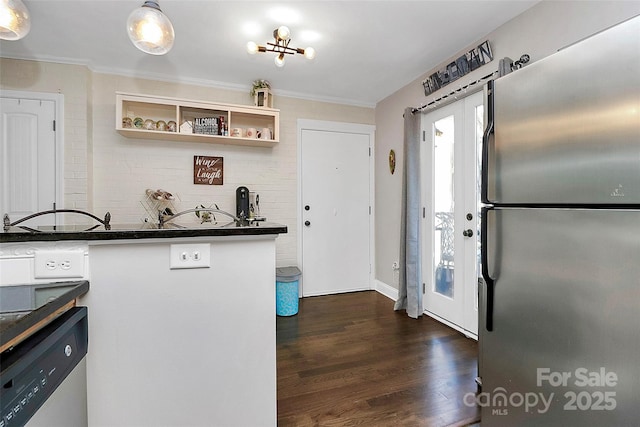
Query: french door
point(452, 138)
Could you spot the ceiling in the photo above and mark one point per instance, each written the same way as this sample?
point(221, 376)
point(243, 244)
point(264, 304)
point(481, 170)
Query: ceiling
point(366, 50)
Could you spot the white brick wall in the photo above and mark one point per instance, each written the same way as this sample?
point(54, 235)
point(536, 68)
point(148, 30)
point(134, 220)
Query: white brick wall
point(73, 82)
point(105, 171)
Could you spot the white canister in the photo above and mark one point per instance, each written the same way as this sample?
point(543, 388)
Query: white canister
point(252, 133)
point(265, 133)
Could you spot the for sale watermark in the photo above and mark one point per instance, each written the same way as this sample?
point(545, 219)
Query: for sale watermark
point(589, 390)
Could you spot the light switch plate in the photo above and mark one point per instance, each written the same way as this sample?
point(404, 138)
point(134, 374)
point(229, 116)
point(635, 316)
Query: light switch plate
point(191, 255)
point(58, 264)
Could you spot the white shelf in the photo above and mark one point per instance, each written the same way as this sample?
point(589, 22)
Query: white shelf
point(179, 110)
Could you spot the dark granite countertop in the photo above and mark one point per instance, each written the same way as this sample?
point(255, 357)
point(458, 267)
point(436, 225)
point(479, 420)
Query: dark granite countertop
point(135, 231)
point(23, 307)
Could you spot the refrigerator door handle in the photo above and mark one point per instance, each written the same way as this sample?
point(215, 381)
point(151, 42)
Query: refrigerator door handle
point(486, 139)
point(488, 280)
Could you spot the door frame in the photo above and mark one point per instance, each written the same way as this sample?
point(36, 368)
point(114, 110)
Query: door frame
point(342, 127)
point(58, 100)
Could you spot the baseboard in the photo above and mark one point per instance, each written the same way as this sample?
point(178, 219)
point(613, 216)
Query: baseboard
point(386, 290)
point(463, 331)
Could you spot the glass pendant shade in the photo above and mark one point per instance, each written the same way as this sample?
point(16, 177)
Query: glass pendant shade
point(252, 48)
point(279, 60)
point(15, 21)
point(150, 30)
point(309, 53)
point(283, 32)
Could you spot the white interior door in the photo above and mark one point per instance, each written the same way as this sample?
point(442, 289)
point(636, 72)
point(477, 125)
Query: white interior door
point(450, 238)
point(29, 157)
point(335, 216)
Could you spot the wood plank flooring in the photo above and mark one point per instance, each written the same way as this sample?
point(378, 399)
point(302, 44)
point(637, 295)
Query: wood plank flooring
point(350, 360)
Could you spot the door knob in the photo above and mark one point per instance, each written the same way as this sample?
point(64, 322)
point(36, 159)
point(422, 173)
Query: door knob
point(306, 208)
point(467, 233)
point(469, 217)
point(307, 223)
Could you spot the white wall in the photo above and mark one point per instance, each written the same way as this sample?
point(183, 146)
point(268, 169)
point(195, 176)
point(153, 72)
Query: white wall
point(73, 82)
point(105, 171)
point(539, 32)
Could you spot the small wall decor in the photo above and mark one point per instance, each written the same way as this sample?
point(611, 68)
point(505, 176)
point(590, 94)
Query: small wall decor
point(261, 92)
point(207, 170)
point(466, 63)
point(392, 161)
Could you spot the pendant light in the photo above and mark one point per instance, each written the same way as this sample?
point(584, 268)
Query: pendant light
point(150, 30)
point(15, 20)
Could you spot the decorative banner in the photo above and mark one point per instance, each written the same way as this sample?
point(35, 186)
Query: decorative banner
point(207, 170)
point(468, 62)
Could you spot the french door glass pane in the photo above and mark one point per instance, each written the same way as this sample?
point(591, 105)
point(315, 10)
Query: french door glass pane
point(444, 206)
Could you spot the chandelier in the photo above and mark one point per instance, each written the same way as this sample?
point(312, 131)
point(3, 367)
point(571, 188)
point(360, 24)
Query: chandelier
point(281, 46)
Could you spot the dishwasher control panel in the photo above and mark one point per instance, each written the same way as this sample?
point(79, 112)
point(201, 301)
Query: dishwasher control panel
point(31, 371)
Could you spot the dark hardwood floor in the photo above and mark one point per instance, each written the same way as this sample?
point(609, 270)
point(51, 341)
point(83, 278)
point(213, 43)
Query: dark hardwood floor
point(350, 360)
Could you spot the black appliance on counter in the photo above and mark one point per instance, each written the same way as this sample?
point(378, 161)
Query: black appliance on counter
point(242, 202)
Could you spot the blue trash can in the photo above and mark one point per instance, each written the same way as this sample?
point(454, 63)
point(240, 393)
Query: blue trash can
point(287, 279)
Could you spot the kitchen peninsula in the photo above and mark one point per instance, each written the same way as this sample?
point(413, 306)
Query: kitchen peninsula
point(181, 320)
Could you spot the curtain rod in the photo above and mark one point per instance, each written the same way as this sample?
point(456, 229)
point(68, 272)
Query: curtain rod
point(451, 96)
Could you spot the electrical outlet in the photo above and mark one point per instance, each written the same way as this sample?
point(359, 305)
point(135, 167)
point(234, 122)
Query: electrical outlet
point(58, 264)
point(193, 255)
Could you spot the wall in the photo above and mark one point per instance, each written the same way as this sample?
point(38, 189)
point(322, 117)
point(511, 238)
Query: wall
point(539, 32)
point(73, 81)
point(105, 171)
point(186, 347)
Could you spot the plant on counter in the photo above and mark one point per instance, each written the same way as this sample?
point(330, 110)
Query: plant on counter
point(259, 84)
point(205, 215)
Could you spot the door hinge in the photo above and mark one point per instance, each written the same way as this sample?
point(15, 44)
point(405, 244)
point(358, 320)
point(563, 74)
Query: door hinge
point(369, 151)
point(424, 135)
point(424, 288)
point(424, 212)
point(369, 210)
point(54, 125)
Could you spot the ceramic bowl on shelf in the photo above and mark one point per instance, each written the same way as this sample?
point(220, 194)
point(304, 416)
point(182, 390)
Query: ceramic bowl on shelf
point(172, 126)
point(161, 125)
point(127, 123)
point(138, 122)
point(149, 124)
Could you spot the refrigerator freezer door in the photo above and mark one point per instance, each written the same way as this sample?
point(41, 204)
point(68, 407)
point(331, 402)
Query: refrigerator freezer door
point(566, 321)
point(567, 128)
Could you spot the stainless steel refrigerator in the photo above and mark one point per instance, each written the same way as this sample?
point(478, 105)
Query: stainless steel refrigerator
point(560, 236)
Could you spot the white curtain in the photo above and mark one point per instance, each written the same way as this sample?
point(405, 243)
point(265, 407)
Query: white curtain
point(410, 282)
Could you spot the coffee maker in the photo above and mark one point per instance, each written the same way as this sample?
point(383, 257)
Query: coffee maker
point(242, 202)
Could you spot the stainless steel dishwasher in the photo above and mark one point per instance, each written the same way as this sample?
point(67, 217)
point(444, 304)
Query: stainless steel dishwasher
point(43, 377)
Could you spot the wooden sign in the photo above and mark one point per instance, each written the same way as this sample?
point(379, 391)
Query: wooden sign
point(207, 170)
